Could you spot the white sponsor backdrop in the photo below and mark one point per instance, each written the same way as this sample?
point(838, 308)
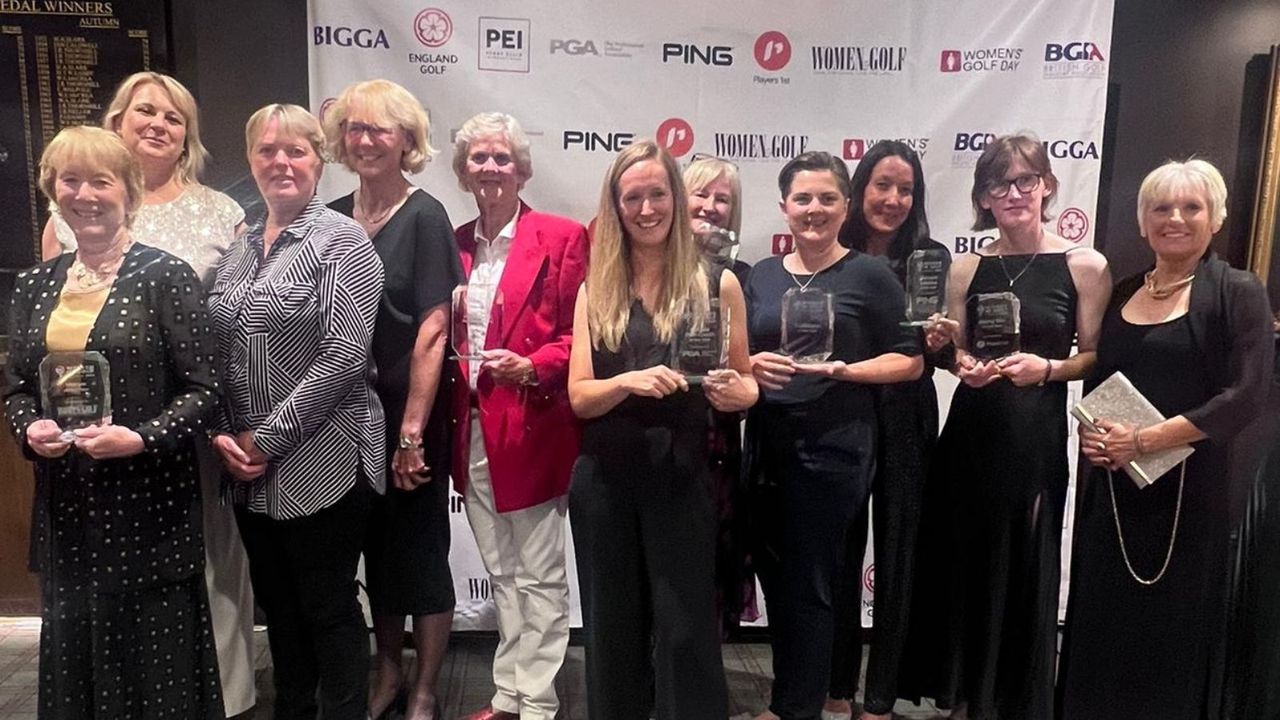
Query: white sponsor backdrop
point(754, 81)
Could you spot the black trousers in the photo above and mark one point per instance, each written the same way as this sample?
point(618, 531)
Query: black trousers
point(304, 576)
point(802, 509)
point(646, 569)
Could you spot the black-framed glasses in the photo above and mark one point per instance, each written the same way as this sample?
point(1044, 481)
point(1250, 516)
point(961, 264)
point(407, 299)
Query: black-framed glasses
point(1025, 184)
point(376, 132)
point(708, 156)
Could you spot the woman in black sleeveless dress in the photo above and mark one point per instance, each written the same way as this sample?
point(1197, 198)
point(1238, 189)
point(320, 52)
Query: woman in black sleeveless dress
point(1146, 620)
point(988, 598)
point(643, 519)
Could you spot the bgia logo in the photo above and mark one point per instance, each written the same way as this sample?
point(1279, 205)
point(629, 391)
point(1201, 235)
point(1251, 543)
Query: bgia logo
point(968, 146)
point(772, 51)
point(676, 136)
point(1073, 224)
point(433, 27)
point(1074, 60)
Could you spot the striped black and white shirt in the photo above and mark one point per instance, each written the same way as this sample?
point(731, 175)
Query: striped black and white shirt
point(293, 341)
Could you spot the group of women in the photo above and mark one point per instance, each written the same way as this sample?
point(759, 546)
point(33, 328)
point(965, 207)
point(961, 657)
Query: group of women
point(298, 369)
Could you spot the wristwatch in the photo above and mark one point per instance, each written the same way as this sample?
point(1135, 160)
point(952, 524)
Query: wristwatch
point(408, 443)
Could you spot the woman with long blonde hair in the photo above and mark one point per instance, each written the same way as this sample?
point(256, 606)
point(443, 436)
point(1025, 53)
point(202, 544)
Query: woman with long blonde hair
point(643, 518)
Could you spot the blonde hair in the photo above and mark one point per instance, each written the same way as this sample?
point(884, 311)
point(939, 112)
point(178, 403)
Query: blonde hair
point(97, 150)
point(390, 104)
point(609, 276)
point(292, 120)
point(706, 170)
point(492, 124)
point(1172, 177)
point(194, 155)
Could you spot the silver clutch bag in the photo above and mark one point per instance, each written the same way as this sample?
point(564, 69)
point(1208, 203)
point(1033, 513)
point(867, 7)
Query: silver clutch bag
point(1117, 400)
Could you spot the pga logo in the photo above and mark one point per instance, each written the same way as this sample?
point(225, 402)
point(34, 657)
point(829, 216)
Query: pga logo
point(571, 46)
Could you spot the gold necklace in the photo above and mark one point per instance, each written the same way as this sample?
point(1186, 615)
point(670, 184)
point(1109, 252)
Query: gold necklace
point(378, 220)
point(1160, 293)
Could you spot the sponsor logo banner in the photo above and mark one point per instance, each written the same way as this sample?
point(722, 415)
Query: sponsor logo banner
point(504, 44)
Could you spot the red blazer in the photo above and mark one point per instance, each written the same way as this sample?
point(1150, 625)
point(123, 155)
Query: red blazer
point(530, 433)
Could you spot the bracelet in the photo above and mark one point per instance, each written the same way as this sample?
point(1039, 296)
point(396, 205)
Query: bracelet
point(1137, 441)
point(1048, 370)
point(409, 443)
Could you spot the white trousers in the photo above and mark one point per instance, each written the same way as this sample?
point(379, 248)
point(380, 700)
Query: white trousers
point(226, 575)
point(523, 552)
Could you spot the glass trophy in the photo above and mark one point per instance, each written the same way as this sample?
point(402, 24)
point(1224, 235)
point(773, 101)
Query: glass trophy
point(926, 285)
point(701, 347)
point(475, 307)
point(808, 325)
point(716, 242)
point(995, 325)
point(75, 390)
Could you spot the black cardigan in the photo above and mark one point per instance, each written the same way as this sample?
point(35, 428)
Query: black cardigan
point(130, 522)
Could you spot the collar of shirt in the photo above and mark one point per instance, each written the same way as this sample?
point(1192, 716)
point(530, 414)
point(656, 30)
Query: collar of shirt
point(296, 230)
point(497, 248)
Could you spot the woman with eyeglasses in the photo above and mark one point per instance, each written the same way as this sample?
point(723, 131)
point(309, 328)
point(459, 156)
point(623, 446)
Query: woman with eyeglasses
point(379, 131)
point(992, 592)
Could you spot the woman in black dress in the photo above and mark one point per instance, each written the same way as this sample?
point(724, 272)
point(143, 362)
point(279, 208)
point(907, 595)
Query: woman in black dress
point(1001, 461)
point(379, 131)
point(886, 219)
point(811, 441)
point(715, 214)
point(1146, 619)
point(116, 531)
point(643, 518)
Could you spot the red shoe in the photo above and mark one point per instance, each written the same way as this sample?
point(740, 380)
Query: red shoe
point(490, 714)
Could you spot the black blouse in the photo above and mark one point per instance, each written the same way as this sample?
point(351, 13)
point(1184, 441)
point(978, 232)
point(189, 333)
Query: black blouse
point(129, 522)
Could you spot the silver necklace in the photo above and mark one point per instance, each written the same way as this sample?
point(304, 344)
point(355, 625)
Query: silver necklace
point(805, 285)
point(1025, 268)
point(1173, 534)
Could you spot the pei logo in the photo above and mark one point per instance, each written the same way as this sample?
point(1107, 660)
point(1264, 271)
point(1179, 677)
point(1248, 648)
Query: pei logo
point(772, 50)
point(676, 136)
point(504, 44)
point(1073, 224)
point(783, 243)
point(854, 148)
point(950, 61)
point(433, 27)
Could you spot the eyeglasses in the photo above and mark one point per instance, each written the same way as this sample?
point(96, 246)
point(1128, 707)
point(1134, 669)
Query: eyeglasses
point(375, 132)
point(696, 157)
point(479, 159)
point(1024, 183)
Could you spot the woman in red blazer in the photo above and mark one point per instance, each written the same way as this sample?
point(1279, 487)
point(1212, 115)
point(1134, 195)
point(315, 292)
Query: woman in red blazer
point(516, 437)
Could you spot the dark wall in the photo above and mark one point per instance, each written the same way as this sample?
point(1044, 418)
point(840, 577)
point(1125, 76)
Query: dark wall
point(1178, 85)
point(1179, 70)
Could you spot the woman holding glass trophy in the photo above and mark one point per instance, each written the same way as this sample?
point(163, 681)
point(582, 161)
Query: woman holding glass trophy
point(887, 219)
point(649, 327)
point(111, 380)
point(825, 325)
point(1014, 310)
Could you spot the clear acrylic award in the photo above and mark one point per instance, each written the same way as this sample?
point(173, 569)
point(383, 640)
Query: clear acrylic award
point(808, 325)
point(701, 347)
point(926, 285)
point(995, 324)
point(75, 390)
point(474, 307)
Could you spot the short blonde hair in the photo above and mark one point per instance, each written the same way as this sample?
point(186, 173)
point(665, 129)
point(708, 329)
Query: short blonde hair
point(97, 150)
point(194, 155)
point(706, 170)
point(1173, 177)
point(293, 120)
point(391, 105)
point(492, 124)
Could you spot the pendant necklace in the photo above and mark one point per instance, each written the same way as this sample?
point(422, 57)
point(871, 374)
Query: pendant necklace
point(1025, 268)
point(805, 285)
